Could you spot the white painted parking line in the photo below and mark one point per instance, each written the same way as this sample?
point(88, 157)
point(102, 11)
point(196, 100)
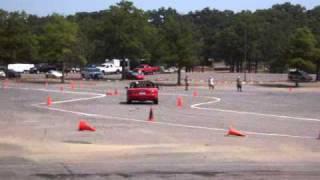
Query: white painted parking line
point(195, 106)
point(167, 123)
point(31, 121)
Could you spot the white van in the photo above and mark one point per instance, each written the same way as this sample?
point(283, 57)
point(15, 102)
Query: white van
point(20, 67)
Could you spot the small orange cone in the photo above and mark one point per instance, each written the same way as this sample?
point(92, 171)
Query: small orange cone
point(49, 101)
point(84, 126)
point(116, 92)
point(72, 86)
point(290, 90)
point(151, 118)
point(195, 93)
point(61, 88)
point(234, 132)
point(179, 102)
point(108, 93)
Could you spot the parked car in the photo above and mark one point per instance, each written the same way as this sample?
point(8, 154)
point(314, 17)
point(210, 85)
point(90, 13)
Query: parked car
point(13, 74)
point(134, 75)
point(53, 74)
point(42, 68)
point(168, 70)
point(91, 73)
point(142, 91)
point(108, 68)
point(2, 74)
point(74, 70)
point(299, 76)
point(146, 69)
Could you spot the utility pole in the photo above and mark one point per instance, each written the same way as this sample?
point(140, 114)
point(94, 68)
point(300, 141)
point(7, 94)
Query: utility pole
point(245, 53)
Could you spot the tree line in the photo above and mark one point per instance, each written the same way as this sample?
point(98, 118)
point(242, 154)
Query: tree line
point(275, 39)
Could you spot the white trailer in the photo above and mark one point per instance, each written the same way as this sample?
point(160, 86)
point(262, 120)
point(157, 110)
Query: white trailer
point(20, 67)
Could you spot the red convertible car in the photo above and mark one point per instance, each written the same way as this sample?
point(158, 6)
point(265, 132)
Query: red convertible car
point(142, 91)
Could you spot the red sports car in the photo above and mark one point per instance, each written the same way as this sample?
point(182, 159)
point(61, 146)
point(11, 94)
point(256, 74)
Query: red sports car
point(142, 91)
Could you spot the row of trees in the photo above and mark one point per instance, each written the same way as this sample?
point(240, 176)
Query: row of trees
point(276, 39)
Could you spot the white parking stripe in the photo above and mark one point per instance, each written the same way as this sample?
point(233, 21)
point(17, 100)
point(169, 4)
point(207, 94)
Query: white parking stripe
point(195, 106)
point(167, 123)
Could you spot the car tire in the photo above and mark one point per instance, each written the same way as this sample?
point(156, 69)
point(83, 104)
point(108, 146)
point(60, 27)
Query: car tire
point(156, 101)
point(117, 71)
point(129, 101)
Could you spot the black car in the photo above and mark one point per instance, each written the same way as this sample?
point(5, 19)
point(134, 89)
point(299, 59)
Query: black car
point(42, 68)
point(300, 76)
point(13, 74)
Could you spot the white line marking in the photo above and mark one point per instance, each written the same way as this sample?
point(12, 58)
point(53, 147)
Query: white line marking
point(167, 123)
point(195, 106)
point(30, 121)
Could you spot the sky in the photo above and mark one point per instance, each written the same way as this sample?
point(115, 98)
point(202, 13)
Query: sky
point(66, 7)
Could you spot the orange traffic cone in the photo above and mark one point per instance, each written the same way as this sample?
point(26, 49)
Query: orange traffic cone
point(195, 93)
point(179, 102)
point(116, 92)
point(72, 85)
point(151, 118)
point(234, 132)
point(61, 88)
point(49, 101)
point(108, 93)
point(84, 126)
point(290, 90)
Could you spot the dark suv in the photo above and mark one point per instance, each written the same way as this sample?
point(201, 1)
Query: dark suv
point(91, 73)
point(300, 76)
point(42, 68)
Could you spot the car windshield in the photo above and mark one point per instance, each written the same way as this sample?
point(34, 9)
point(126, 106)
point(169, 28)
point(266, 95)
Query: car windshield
point(133, 73)
point(92, 70)
point(142, 84)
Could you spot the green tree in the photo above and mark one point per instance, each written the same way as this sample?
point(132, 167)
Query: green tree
point(302, 50)
point(123, 31)
point(183, 47)
point(17, 43)
point(58, 41)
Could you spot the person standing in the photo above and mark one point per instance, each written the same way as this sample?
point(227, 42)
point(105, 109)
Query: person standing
point(211, 83)
point(186, 82)
point(239, 84)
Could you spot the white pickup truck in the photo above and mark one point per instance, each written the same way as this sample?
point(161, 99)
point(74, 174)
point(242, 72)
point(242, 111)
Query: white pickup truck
point(110, 66)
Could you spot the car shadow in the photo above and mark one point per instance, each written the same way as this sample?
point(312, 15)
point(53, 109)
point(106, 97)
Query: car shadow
point(137, 103)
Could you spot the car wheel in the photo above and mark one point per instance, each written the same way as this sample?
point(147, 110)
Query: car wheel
point(156, 101)
point(129, 101)
point(118, 71)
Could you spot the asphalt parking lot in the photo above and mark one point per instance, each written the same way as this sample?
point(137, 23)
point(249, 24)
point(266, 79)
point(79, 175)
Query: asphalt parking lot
point(42, 142)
